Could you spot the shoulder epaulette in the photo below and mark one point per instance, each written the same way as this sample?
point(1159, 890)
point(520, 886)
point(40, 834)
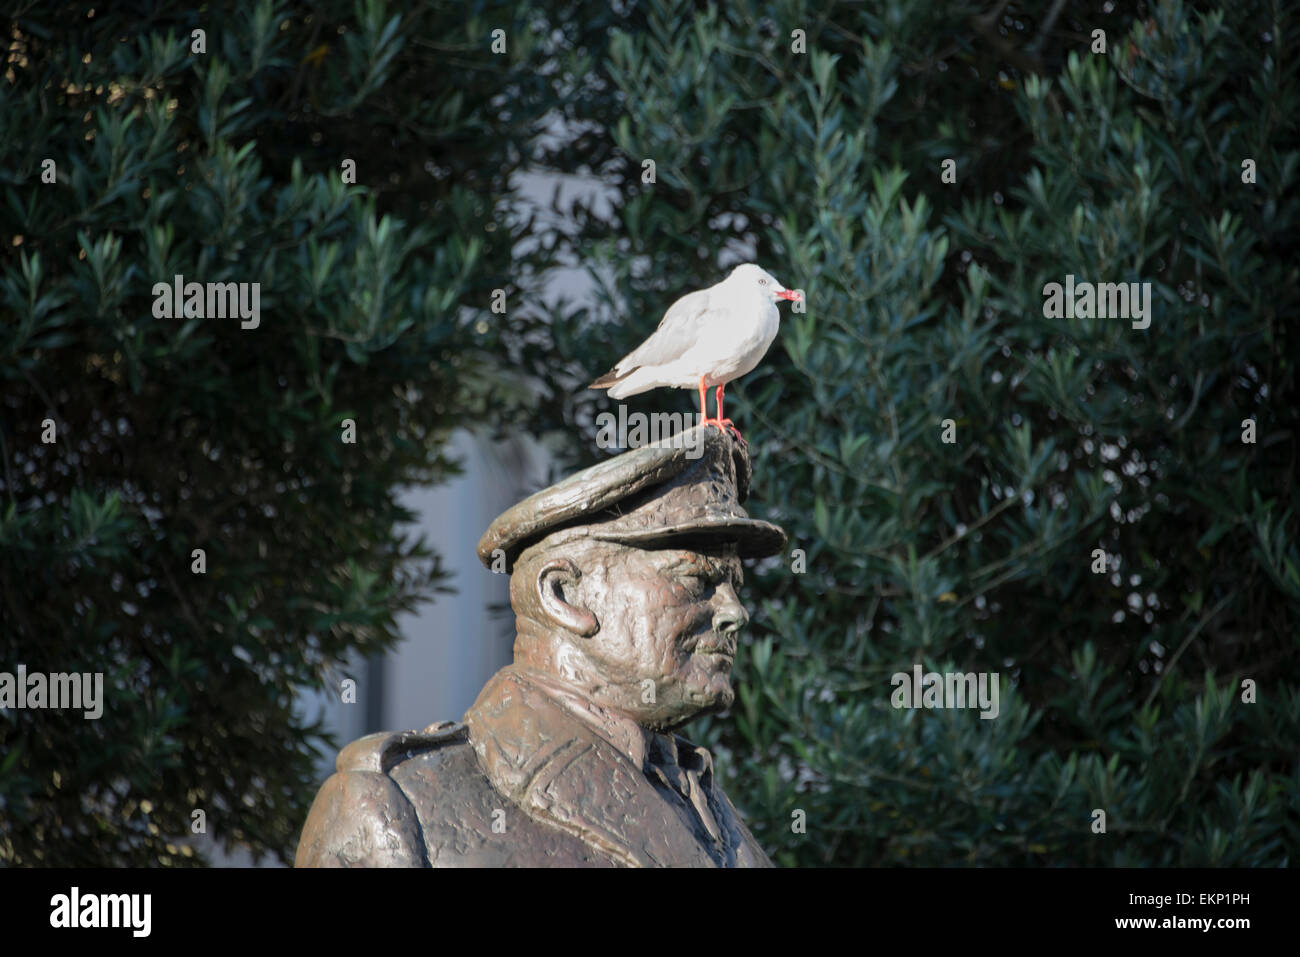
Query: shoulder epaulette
point(381, 751)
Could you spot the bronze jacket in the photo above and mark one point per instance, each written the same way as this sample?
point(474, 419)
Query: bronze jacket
point(523, 782)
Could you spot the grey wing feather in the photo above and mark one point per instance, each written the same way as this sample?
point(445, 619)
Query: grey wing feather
point(678, 331)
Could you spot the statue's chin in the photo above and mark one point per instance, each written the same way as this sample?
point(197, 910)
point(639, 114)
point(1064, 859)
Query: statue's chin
point(721, 693)
point(714, 690)
point(717, 695)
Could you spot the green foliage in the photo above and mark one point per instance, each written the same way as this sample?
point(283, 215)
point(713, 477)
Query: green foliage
point(188, 433)
point(1120, 690)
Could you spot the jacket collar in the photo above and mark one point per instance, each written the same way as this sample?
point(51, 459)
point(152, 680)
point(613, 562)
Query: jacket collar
point(542, 747)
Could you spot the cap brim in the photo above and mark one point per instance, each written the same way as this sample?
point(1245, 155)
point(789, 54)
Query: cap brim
point(752, 537)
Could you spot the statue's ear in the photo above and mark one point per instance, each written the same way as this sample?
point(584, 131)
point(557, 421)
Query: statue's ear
point(553, 574)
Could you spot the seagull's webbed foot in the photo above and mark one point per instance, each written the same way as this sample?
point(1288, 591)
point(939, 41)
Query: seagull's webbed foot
point(731, 427)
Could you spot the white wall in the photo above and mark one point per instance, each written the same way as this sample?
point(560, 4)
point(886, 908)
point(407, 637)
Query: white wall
point(453, 645)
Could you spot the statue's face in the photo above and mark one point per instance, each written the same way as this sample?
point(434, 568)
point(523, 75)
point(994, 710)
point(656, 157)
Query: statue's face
point(669, 623)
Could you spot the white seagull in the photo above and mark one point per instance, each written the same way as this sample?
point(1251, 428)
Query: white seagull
point(706, 338)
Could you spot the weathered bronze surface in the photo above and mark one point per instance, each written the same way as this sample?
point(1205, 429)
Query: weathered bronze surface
point(624, 581)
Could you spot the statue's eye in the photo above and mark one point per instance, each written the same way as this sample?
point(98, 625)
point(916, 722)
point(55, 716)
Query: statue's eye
point(694, 583)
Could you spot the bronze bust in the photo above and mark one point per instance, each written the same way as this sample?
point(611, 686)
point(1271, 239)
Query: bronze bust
point(624, 581)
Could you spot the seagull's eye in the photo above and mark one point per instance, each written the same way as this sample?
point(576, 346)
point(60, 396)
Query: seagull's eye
point(762, 282)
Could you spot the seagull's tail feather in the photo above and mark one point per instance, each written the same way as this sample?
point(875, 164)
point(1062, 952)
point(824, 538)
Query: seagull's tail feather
point(636, 381)
point(612, 378)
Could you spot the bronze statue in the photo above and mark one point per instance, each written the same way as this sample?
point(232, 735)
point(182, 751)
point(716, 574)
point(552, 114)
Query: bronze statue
point(624, 581)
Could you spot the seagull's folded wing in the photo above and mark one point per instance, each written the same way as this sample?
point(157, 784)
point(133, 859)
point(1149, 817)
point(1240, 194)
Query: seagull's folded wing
point(678, 331)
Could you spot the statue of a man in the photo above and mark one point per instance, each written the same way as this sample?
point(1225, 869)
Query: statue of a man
point(624, 583)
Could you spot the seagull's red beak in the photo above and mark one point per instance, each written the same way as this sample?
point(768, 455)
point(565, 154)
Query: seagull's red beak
point(790, 294)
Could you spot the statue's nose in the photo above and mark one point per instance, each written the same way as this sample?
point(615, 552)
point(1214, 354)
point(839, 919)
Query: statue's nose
point(731, 615)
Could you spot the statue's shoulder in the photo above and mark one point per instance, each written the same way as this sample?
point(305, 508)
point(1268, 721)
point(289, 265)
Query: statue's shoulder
point(361, 815)
point(381, 752)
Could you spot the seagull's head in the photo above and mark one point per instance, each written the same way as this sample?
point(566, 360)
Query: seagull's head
point(752, 274)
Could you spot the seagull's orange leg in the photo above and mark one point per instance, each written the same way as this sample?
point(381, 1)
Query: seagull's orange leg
point(725, 423)
point(704, 408)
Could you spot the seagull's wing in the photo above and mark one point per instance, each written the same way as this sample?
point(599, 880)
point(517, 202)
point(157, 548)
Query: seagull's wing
point(678, 330)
